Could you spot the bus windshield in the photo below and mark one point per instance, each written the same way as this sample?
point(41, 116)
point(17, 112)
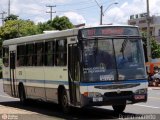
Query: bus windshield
point(112, 59)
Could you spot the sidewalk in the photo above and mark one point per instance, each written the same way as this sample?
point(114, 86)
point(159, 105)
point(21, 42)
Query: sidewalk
point(154, 88)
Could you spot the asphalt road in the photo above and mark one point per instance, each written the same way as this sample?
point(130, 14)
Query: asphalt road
point(39, 110)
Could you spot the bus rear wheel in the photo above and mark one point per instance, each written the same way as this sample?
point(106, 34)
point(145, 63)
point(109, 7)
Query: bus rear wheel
point(119, 108)
point(64, 102)
point(22, 95)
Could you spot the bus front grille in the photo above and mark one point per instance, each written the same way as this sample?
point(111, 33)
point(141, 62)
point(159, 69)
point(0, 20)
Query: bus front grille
point(119, 94)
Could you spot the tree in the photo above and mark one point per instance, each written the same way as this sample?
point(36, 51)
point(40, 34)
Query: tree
point(11, 17)
point(58, 23)
point(17, 28)
point(44, 26)
point(155, 46)
point(61, 23)
point(144, 40)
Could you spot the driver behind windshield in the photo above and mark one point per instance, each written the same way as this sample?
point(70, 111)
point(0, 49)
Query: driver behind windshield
point(95, 56)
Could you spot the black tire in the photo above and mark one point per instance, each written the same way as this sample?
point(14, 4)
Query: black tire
point(22, 95)
point(64, 102)
point(119, 108)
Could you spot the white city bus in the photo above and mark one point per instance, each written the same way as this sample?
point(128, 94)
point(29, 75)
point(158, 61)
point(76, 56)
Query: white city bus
point(80, 67)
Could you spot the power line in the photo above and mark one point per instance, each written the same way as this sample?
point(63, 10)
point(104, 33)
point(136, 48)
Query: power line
point(97, 3)
point(3, 17)
point(77, 9)
point(64, 10)
point(76, 3)
point(80, 8)
point(51, 10)
point(40, 10)
point(68, 4)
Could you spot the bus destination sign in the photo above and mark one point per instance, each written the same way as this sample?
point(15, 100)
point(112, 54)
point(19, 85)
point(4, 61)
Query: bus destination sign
point(109, 31)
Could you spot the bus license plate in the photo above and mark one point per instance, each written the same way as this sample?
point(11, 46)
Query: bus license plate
point(139, 97)
point(97, 99)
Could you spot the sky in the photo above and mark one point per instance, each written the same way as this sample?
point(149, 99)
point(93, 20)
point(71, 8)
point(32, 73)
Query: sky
point(80, 11)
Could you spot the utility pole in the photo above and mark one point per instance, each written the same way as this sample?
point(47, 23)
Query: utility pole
point(9, 7)
point(51, 10)
point(3, 17)
point(101, 14)
point(148, 33)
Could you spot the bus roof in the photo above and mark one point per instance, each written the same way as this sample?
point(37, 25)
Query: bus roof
point(50, 35)
point(39, 37)
point(110, 25)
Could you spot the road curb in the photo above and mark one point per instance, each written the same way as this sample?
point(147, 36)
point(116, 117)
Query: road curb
point(154, 88)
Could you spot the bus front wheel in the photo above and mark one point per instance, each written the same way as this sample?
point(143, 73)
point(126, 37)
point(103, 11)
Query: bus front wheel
point(64, 102)
point(119, 108)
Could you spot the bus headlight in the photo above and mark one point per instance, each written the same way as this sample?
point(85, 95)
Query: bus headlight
point(141, 91)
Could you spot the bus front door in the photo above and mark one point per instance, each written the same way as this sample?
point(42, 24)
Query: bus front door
point(12, 73)
point(73, 74)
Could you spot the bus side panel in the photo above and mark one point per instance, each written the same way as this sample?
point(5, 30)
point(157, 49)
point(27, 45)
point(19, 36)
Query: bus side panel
point(6, 80)
point(55, 76)
point(35, 82)
point(20, 77)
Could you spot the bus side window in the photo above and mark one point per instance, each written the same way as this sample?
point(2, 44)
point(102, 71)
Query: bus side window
point(30, 54)
point(5, 56)
point(21, 53)
point(39, 49)
point(61, 52)
point(49, 53)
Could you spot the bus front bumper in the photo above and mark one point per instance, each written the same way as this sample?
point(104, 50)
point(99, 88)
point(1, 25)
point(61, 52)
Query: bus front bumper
point(113, 99)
